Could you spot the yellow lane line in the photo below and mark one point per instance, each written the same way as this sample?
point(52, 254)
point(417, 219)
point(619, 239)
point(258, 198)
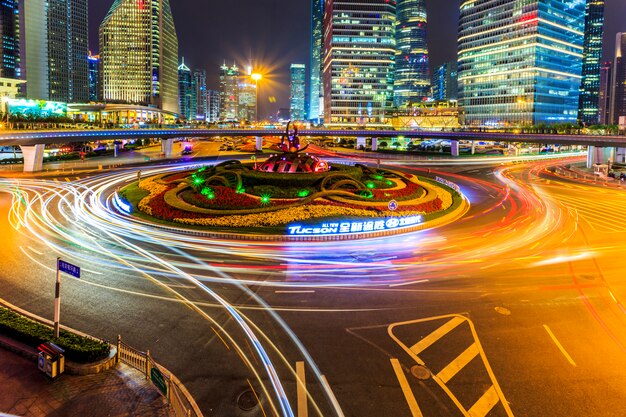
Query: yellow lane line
point(485, 404)
point(447, 373)
point(558, 344)
point(302, 394)
point(406, 389)
point(436, 335)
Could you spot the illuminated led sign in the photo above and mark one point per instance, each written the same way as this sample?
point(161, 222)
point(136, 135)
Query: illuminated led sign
point(357, 226)
point(36, 108)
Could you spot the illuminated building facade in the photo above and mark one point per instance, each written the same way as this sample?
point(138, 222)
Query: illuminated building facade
point(445, 82)
point(139, 54)
point(297, 88)
point(604, 100)
point(94, 77)
point(34, 48)
point(229, 93)
point(412, 79)
point(520, 61)
point(9, 39)
point(359, 55)
point(213, 106)
point(618, 80)
point(199, 77)
point(186, 93)
point(247, 99)
point(592, 58)
point(316, 86)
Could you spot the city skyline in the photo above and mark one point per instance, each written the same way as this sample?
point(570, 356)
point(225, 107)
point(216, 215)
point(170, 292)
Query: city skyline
point(286, 26)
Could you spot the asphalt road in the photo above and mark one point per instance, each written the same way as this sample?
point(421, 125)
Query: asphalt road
point(514, 310)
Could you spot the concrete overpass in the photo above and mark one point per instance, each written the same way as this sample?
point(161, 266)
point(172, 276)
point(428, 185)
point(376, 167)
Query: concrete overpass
point(32, 142)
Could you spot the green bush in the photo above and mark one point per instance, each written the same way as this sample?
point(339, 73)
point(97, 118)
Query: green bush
point(77, 348)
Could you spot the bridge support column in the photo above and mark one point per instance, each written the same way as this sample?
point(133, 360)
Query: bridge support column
point(620, 155)
point(374, 144)
point(167, 146)
point(33, 157)
point(473, 147)
point(594, 156)
point(454, 147)
point(361, 142)
point(259, 143)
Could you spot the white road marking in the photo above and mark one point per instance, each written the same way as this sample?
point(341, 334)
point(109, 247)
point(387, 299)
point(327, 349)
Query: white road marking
point(294, 291)
point(302, 394)
point(36, 251)
point(406, 389)
point(419, 281)
point(558, 344)
point(333, 399)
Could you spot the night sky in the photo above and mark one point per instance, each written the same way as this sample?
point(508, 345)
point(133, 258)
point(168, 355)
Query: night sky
point(275, 33)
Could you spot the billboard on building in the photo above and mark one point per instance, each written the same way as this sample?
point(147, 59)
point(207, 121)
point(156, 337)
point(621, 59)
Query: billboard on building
point(36, 108)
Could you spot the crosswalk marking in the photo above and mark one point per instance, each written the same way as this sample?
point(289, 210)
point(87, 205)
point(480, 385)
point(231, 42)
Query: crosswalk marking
point(406, 388)
point(485, 404)
point(459, 363)
point(436, 335)
point(67, 180)
point(302, 401)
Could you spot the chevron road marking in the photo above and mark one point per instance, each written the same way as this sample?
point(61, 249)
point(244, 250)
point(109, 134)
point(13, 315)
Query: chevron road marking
point(302, 400)
point(436, 335)
point(485, 404)
point(406, 388)
point(459, 363)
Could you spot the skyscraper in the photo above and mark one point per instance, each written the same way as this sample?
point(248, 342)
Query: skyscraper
point(199, 77)
point(94, 77)
point(247, 98)
point(139, 54)
point(9, 39)
point(298, 88)
point(604, 101)
point(316, 86)
point(213, 106)
point(358, 63)
point(186, 93)
point(592, 57)
point(618, 80)
point(412, 79)
point(229, 93)
point(55, 49)
point(520, 61)
point(445, 83)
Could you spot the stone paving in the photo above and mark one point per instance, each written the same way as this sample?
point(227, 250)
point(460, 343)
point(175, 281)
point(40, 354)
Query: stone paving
point(121, 391)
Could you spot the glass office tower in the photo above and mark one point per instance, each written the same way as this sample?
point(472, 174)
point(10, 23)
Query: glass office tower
point(297, 88)
point(229, 93)
point(520, 61)
point(359, 55)
point(139, 54)
point(94, 77)
point(445, 83)
point(316, 86)
point(618, 80)
point(588, 108)
point(186, 93)
point(9, 39)
point(412, 79)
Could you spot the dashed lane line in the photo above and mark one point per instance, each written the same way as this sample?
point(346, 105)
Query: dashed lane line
point(406, 388)
point(303, 411)
point(559, 345)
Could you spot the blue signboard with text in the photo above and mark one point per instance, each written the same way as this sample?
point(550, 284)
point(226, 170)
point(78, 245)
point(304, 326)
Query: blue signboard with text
point(69, 269)
point(358, 226)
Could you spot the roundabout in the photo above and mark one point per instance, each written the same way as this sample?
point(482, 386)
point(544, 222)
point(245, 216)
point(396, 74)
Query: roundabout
point(293, 195)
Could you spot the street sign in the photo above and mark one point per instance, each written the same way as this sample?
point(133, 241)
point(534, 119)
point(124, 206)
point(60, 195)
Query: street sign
point(158, 380)
point(393, 205)
point(69, 269)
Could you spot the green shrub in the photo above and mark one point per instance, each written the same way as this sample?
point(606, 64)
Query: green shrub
point(77, 348)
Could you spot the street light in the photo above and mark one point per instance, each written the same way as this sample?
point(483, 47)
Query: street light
point(256, 77)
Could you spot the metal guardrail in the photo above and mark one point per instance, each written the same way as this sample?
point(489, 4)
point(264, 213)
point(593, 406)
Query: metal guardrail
point(178, 398)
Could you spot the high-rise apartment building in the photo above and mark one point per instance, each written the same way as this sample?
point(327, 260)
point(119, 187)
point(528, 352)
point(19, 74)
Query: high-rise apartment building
point(592, 58)
point(94, 77)
point(359, 54)
point(618, 80)
point(445, 82)
point(199, 77)
point(54, 49)
point(412, 79)
point(213, 106)
point(229, 93)
point(186, 93)
point(297, 88)
point(316, 85)
point(604, 99)
point(9, 39)
point(139, 54)
point(520, 61)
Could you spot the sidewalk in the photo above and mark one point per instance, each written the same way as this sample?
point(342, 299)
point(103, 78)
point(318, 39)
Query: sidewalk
point(121, 391)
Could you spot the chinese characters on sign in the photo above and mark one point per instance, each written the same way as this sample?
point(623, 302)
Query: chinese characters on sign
point(69, 269)
point(360, 226)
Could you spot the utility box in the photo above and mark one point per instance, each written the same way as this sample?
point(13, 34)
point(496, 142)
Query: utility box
point(51, 359)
